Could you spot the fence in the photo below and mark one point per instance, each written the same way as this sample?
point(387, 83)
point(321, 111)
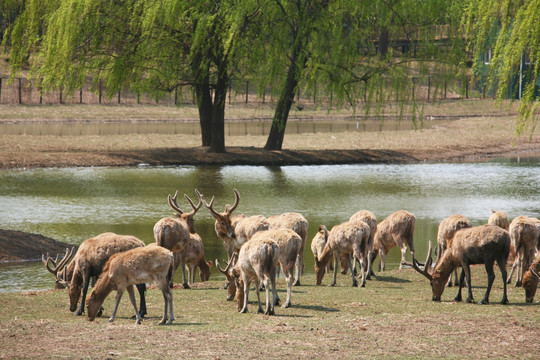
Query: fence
point(24, 91)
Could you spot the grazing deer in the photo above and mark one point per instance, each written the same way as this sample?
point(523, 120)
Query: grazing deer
point(257, 260)
point(346, 239)
point(485, 244)
point(151, 263)
point(531, 279)
point(297, 223)
point(396, 230)
point(318, 243)
point(235, 230)
point(369, 218)
point(174, 233)
point(525, 235)
point(61, 273)
point(228, 272)
point(88, 263)
point(445, 235)
point(194, 258)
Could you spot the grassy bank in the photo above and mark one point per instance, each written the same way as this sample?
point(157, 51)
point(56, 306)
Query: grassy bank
point(393, 317)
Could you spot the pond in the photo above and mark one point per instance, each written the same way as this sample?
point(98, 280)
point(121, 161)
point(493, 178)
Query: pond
point(74, 204)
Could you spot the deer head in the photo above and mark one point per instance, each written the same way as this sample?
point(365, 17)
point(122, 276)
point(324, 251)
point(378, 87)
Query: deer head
point(530, 284)
point(228, 272)
point(437, 275)
point(223, 220)
point(187, 217)
point(58, 269)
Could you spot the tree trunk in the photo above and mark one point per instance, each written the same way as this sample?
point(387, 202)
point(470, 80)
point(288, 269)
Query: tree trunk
point(277, 131)
point(217, 144)
point(204, 103)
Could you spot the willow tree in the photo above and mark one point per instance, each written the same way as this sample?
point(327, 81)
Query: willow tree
point(149, 46)
point(511, 29)
point(348, 48)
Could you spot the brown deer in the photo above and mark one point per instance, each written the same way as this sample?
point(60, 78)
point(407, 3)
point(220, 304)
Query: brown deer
point(88, 262)
point(257, 260)
point(194, 258)
point(396, 230)
point(445, 235)
point(151, 263)
point(174, 233)
point(346, 239)
point(297, 223)
point(371, 220)
point(228, 272)
point(318, 243)
point(531, 279)
point(499, 218)
point(235, 230)
point(485, 244)
point(525, 235)
point(61, 273)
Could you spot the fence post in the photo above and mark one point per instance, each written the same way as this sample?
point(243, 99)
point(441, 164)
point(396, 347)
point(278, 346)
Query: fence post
point(20, 91)
point(61, 100)
point(119, 96)
point(247, 91)
point(99, 92)
point(0, 90)
point(428, 87)
point(445, 83)
point(80, 95)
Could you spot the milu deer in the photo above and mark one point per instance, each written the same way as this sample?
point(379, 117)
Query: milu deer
point(445, 234)
point(151, 263)
point(193, 254)
point(531, 279)
point(258, 260)
point(318, 243)
point(396, 230)
point(525, 236)
point(485, 244)
point(88, 262)
point(371, 220)
point(499, 218)
point(348, 239)
point(297, 223)
point(235, 230)
point(174, 233)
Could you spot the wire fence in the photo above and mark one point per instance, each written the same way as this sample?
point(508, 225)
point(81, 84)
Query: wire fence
point(23, 91)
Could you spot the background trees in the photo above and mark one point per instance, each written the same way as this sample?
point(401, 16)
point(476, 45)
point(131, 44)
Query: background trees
point(355, 52)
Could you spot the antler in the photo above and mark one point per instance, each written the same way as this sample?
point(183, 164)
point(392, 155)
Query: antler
point(210, 206)
point(195, 208)
point(426, 270)
point(56, 268)
point(229, 264)
point(230, 209)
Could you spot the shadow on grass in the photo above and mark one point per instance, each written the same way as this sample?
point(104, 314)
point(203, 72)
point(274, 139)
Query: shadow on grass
point(391, 279)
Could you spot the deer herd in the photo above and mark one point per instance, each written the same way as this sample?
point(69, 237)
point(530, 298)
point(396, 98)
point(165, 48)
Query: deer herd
point(260, 247)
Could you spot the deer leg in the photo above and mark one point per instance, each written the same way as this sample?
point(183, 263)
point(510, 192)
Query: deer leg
point(246, 293)
point(354, 281)
point(258, 292)
point(514, 265)
point(462, 278)
point(337, 259)
point(168, 312)
point(467, 271)
point(142, 308)
point(522, 268)
point(362, 268)
point(299, 264)
point(382, 263)
point(270, 304)
point(290, 281)
point(131, 294)
point(491, 278)
point(369, 271)
point(502, 266)
point(119, 294)
point(184, 277)
point(86, 281)
point(403, 253)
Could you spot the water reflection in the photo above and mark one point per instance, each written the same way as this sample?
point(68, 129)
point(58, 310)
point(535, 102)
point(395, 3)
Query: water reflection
point(74, 204)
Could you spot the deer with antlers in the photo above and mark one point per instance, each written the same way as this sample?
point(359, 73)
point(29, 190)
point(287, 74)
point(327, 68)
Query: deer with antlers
point(485, 244)
point(235, 230)
point(88, 263)
point(173, 233)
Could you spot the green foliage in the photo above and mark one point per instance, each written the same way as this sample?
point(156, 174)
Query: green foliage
point(512, 30)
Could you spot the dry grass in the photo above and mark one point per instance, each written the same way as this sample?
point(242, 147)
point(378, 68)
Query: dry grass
point(393, 317)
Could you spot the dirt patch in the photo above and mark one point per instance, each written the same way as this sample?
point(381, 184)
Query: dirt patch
point(21, 246)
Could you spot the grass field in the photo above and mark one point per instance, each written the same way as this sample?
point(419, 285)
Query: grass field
point(392, 317)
